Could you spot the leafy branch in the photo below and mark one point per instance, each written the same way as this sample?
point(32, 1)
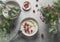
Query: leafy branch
point(52, 16)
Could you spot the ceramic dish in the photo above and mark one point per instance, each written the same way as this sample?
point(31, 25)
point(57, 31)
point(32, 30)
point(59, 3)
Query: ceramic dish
point(26, 6)
point(29, 27)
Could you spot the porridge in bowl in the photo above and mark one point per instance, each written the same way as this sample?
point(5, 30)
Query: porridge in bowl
point(29, 27)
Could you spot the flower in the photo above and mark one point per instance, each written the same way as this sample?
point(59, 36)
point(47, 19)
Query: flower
point(48, 7)
point(54, 14)
point(42, 18)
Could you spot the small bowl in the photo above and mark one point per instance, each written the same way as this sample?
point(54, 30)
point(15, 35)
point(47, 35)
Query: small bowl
point(32, 24)
point(26, 6)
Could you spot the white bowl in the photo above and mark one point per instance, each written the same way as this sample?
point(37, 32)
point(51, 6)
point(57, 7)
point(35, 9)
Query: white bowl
point(32, 24)
point(29, 5)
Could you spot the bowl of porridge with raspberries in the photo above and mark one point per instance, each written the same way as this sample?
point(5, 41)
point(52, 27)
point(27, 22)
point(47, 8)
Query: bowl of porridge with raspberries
point(29, 27)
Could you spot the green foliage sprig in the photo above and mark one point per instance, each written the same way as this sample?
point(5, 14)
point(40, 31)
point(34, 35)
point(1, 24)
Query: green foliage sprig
point(4, 23)
point(52, 15)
